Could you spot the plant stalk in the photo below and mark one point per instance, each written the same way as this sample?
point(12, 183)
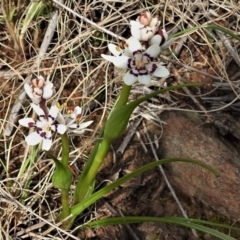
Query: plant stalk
point(65, 193)
point(86, 181)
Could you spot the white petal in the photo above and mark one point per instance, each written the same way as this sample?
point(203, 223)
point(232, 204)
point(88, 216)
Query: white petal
point(161, 71)
point(47, 143)
point(28, 90)
point(155, 23)
point(70, 120)
point(78, 132)
point(33, 139)
point(48, 90)
point(41, 78)
point(80, 126)
point(60, 128)
point(37, 110)
point(114, 49)
point(136, 23)
point(135, 29)
point(153, 51)
point(133, 44)
point(25, 121)
point(157, 39)
point(60, 118)
point(53, 112)
point(120, 62)
point(129, 78)
point(77, 110)
point(167, 44)
point(127, 52)
point(42, 124)
point(144, 79)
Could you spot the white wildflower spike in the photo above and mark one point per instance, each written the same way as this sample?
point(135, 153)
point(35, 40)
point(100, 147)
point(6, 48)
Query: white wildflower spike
point(145, 27)
point(160, 38)
point(39, 89)
point(43, 127)
point(72, 120)
point(140, 62)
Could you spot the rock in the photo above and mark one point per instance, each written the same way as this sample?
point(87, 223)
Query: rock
point(186, 136)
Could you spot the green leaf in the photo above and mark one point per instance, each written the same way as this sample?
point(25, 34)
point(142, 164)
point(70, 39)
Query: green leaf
point(11, 14)
point(80, 207)
point(36, 8)
point(212, 26)
point(117, 122)
point(62, 177)
point(190, 223)
point(119, 118)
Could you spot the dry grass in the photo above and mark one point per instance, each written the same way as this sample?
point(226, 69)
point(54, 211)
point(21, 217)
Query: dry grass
point(73, 63)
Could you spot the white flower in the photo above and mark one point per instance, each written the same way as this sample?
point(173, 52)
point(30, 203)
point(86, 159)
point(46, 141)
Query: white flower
point(140, 62)
point(160, 38)
point(144, 27)
point(43, 127)
point(39, 89)
point(72, 120)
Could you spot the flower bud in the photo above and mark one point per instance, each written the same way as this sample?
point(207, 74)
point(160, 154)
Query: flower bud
point(38, 82)
point(39, 89)
point(145, 18)
point(37, 92)
point(144, 27)
point(154, 23)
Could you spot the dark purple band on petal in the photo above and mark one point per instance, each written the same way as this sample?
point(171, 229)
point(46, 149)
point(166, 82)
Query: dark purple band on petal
point(38, 130)
point(44, 135)
point(160, 32)
point(130, 62)
point(143, 72)
point(31, 124)
point(134, 73)
point(154, 67)
point(75, 127)
point(55, 127)
point(137, 52)
point(147, 55)
point(51, 117)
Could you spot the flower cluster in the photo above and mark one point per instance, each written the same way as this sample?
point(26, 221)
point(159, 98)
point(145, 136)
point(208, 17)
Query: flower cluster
point(49, 120)
point(141, 62)
point(43, 127)
point(145, 26)
point(72, 120)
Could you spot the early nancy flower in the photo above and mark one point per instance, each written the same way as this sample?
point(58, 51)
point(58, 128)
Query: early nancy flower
point(39, 89)
point(72, 120)
point(43, 127)
point(144, 27)
point(139, 62)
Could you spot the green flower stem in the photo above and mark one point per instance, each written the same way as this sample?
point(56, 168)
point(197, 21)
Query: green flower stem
point(124, 95)
point(65, 150)
point(97, 162)
point(86, 180)
point(65, 204)
point(65, 193)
